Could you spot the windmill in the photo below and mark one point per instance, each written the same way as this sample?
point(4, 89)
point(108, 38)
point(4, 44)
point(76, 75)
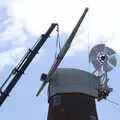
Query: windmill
point(72, 92)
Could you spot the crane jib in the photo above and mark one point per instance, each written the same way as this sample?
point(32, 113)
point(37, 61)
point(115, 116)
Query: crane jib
point(19, 70)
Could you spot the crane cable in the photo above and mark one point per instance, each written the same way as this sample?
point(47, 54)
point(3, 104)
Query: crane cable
point(58, 44)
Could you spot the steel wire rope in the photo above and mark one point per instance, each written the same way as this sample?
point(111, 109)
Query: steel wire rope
point(58, 44)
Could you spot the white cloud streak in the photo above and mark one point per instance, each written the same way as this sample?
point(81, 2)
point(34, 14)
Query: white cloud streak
point(12, 38)
point(38, 15)
point(100, 25)
point(11, 57)
point(103, 19)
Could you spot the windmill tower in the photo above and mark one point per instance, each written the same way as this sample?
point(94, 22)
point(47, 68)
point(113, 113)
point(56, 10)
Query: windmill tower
point(72, 92)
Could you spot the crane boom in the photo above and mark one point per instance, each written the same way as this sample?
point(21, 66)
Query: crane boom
point(19, 70)
point(63, 52)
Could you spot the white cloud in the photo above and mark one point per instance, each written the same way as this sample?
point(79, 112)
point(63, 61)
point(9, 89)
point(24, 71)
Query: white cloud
point(103, 19)
point(103, 26)
point(36, 16)
point(14, 32)
point(80, 42)
point(13, 38)
point(11, 57)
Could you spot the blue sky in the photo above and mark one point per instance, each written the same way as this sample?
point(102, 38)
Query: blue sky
point(21, 24)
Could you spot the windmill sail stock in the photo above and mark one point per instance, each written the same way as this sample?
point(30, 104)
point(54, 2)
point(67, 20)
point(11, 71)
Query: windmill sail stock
point(63, 51)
